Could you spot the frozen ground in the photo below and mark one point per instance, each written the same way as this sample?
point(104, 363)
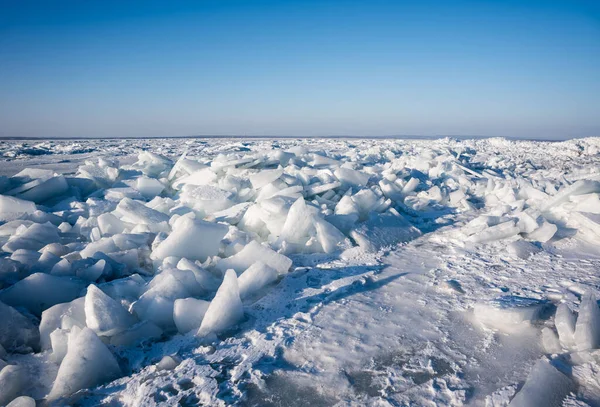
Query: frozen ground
point(300, 272)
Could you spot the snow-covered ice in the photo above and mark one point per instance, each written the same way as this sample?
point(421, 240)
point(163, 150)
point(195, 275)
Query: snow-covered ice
point(300, 271)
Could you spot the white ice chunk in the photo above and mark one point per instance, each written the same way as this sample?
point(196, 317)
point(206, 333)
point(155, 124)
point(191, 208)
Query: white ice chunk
point(156, 309)
point(352, 177)
point(346, 206)
point(53, 317)
point(329, 237)
point(564, 321)
point(255, 278)
point(187, 277)
point(23, 401)
point(110, 225)
point(11, 227)
point(157, 303)
point(508, 313)
point(88, 363)
point(34, 237)
point(203, 277)
point(149, 187)
point(13, 379)
point(192, 239)
point(136, 212)
point(410, 186)
point(252, 220)
point(550, 341)
point(320, 188)
point(545, 386)
point(321, 160)
point(46, 190)
point(95, 271)
point(225, 310)
point(264, 177)
point(206, 198)
point(526, 222)
point(124, 289)
point(40, 291)
point(104, 245)
point(299, 224)
point(493, 233)
point(60, 341)
point(202, 176)
point(367, 201)
point(26, 257)
point(250, 254)
point(543, 233)
point(168, 363)
point(56, 248)
point(581, 187)
point(233, 214)
point(103, 315)
point(62, 268)
point(587, 329)
point(588, 203)
point(188, 314)
point(152, 164)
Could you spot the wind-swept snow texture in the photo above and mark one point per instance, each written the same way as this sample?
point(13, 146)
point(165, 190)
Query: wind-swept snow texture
point(282, 272)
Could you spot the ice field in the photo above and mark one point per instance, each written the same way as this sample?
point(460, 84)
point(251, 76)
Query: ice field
point(286, 272)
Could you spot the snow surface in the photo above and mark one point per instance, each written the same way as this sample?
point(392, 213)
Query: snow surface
point(283, 272)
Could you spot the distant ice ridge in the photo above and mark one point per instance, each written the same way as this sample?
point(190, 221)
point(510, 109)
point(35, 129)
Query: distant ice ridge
point(119, 256)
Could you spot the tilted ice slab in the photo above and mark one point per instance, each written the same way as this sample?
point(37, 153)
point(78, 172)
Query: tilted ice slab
point(545, 386)
point(88, 363)
point(509, 312)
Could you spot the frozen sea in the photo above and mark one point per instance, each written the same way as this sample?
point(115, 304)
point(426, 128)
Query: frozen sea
point(293, 272)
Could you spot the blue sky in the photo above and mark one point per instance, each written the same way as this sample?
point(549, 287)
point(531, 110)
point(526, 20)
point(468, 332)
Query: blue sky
point(299, 68)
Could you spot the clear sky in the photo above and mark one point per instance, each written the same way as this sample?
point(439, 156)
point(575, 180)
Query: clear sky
point(513, 68)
